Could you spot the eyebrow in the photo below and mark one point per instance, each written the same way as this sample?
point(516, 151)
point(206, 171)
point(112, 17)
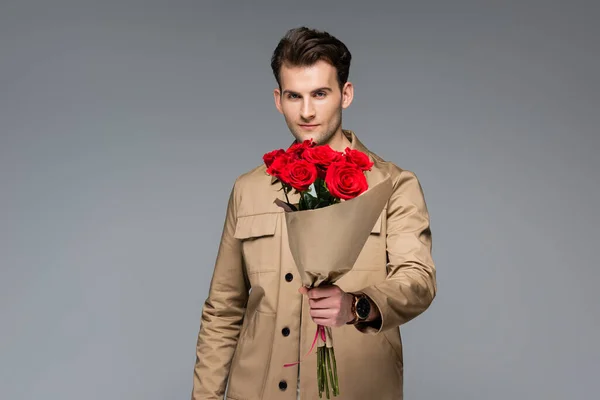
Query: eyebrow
point(321, 89)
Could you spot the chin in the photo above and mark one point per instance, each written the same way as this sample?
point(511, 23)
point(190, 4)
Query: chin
point(317, 137)
point(302, 136)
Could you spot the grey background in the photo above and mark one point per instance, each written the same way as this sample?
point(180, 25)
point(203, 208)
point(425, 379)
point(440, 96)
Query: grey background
point(123, 125)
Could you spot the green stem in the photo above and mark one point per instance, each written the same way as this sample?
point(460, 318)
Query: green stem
point(329, 371)
point(326, 383)
point(319, 374)
point(285, 192)
point(328, 360)
point(335, 374)
point(322, 389)
point(324, 372)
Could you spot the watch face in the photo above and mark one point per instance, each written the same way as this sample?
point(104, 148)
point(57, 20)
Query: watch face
point(363, 308)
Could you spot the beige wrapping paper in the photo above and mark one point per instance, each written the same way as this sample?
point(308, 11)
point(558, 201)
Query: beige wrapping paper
point(325, 243)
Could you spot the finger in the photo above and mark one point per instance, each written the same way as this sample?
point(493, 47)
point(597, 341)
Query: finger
point(322, 313)
point(324, 302)
point(315, 293)
point(322, 291)
point(324, 321)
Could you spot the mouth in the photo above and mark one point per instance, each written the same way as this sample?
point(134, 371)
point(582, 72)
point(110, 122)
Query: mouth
point(308, 126)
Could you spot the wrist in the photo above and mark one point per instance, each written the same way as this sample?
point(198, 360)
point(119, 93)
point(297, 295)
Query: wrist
point(350, 300)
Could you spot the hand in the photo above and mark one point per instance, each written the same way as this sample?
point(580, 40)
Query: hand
point(329, 305)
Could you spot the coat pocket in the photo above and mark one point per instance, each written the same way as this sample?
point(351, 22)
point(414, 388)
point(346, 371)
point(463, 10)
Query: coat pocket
point(260, 241)
point(251, 358)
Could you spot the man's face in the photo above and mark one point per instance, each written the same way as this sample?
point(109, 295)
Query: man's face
point(311, 101)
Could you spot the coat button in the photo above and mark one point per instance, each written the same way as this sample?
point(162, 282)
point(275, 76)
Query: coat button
point(285, 331)
point(282, 385)
point(289, 277)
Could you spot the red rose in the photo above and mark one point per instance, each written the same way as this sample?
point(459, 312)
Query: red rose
point(360, 159)
point(297, 149)
point(322, 157)
point(269, 157)
point(299, 174)
point(345, 180)
point(277, 166)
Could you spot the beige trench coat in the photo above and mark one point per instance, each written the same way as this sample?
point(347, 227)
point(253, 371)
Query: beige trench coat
point(254, 320)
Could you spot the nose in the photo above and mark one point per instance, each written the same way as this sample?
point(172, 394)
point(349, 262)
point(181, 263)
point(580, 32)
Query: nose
point(308, 111)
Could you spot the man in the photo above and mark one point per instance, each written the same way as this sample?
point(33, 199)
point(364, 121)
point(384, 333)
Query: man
point(257, 316)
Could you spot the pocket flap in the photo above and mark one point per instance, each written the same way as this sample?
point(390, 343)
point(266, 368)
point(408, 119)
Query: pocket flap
point(253, 226)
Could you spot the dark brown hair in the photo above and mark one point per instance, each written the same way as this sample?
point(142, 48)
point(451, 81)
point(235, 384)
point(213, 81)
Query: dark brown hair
point(304, 47)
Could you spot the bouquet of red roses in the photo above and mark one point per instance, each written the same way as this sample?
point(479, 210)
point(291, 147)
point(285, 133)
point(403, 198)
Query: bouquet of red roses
point(320, 174)
point(330, 223)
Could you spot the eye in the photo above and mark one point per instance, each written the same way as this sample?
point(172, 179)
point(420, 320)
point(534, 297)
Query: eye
point(292, 96)
point(320, 94)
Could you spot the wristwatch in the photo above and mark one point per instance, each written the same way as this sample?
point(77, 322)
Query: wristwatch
point(361, 308)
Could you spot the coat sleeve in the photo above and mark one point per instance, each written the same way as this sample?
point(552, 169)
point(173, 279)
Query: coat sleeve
point(410, 285)
point(222, 314)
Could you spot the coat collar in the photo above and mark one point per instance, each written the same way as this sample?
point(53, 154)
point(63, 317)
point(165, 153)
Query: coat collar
point(355, 144)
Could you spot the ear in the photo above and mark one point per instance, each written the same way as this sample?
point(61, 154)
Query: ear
point(347, 94)
point(277, 98)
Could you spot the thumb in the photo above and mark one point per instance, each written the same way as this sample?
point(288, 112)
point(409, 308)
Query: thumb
point(303, 290)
